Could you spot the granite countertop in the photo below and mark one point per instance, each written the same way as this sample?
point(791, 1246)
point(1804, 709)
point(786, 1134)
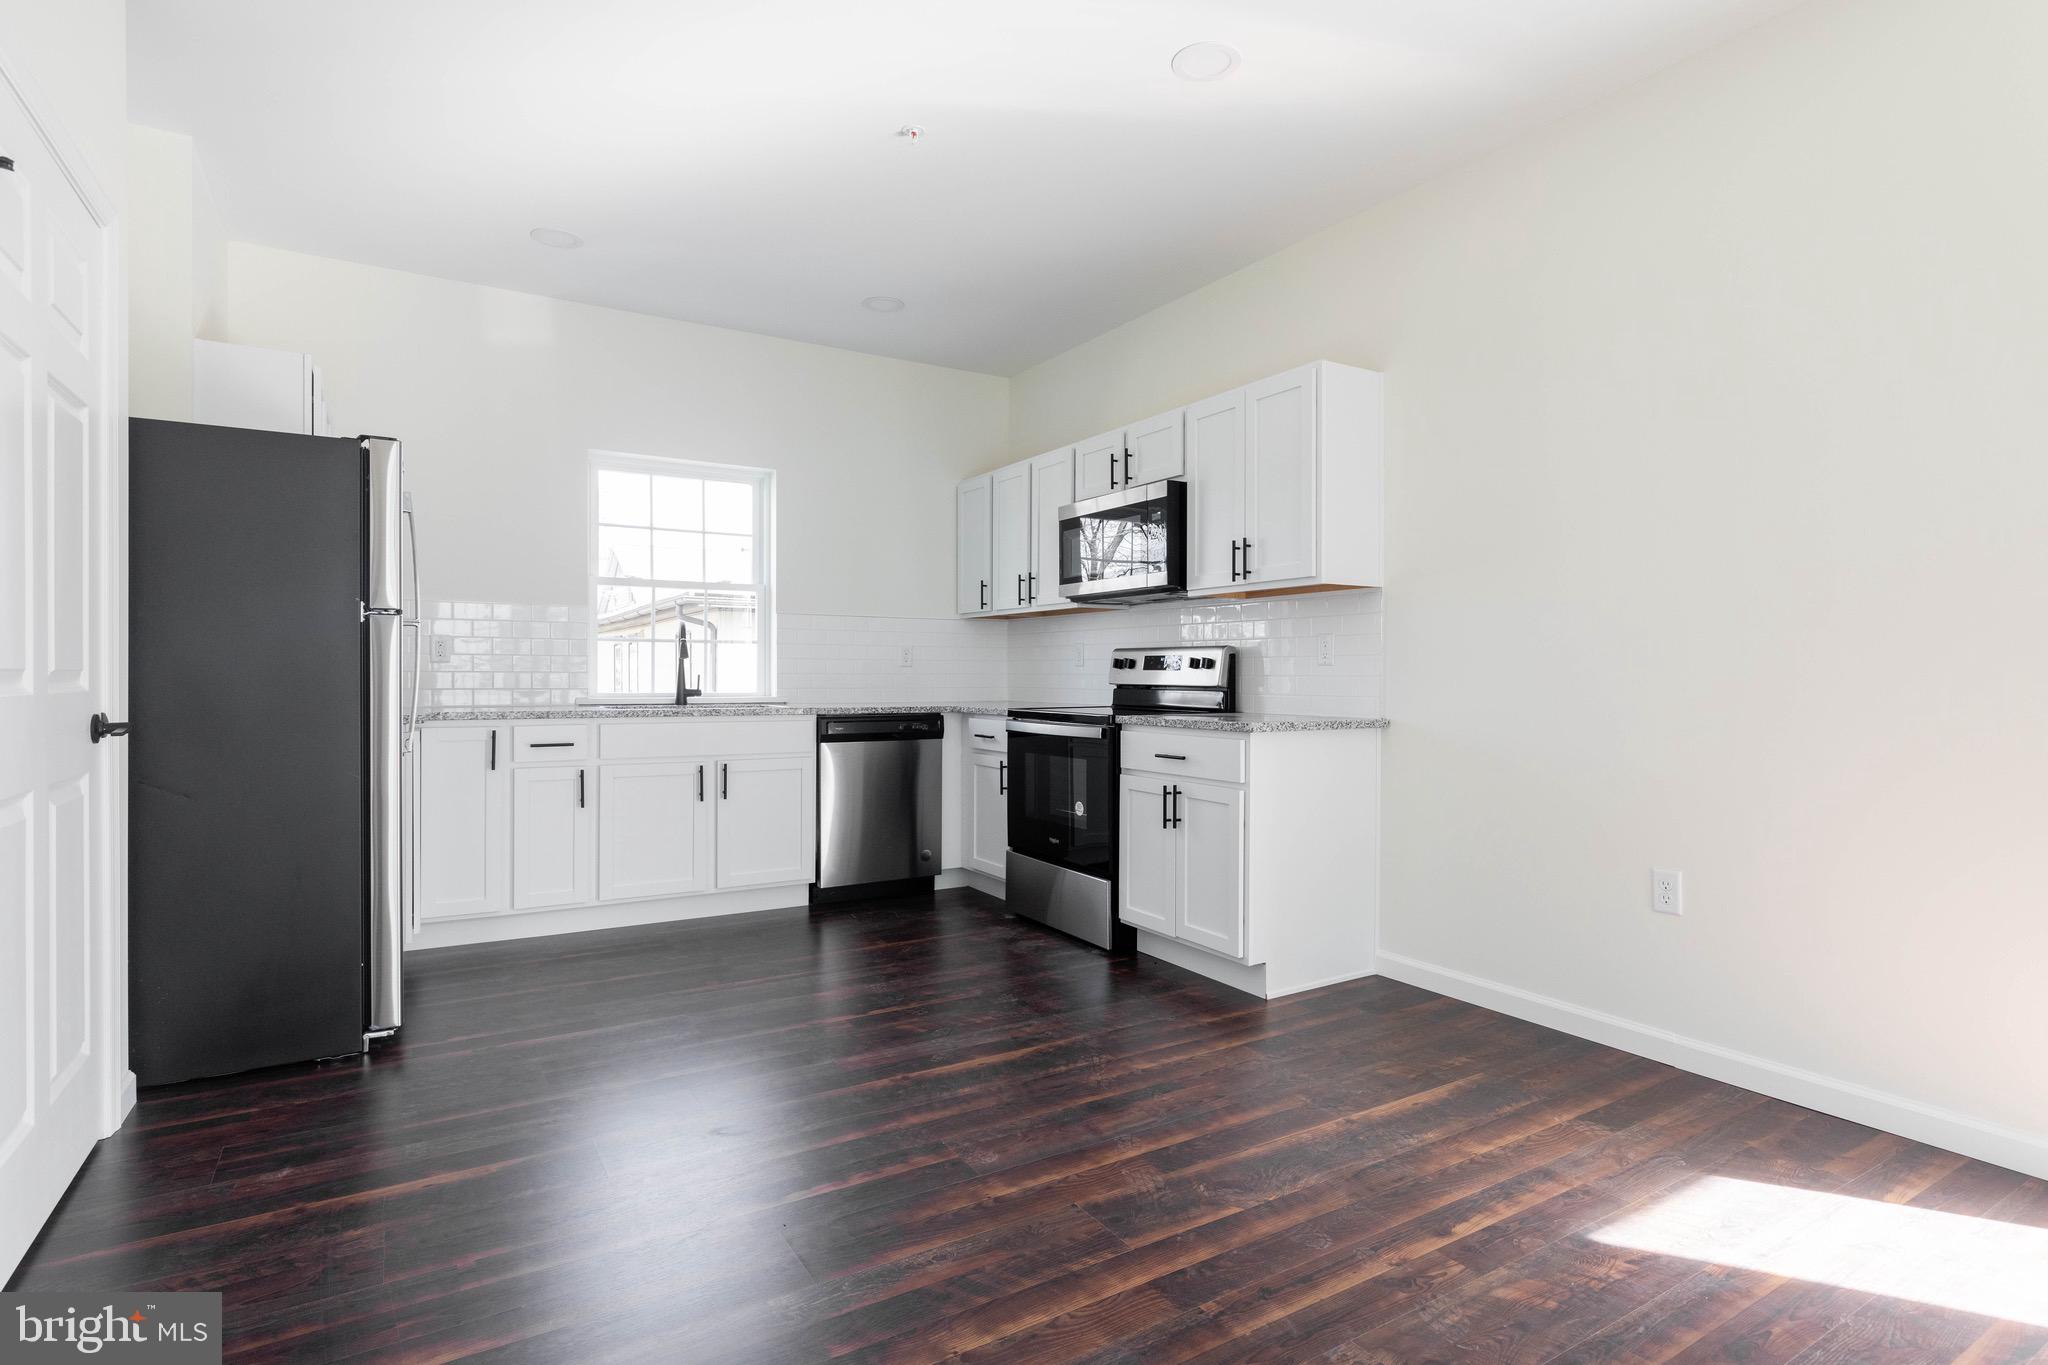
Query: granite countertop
point(1228, 722)
point(1246, 723)
point(702, 711)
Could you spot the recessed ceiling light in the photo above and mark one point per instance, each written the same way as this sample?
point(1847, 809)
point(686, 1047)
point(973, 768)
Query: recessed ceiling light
point(555, 237)
point(1204, 62)
point(882, 303)
point(910, 132)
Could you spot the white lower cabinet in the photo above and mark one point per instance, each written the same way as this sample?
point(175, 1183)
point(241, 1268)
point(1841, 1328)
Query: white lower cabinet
point(766, 809)
point(465, 796)
point(1182, 848)
point(654, 830)
point(672, 808)
point(1252, 858)
point(554, 838)
point(988, 813)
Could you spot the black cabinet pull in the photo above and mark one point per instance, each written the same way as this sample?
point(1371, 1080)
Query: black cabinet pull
point(1176, 807)
point(1233, 560)
point(579, 789)
point(1178, 758)
point(552, 744)
point(1031, 583)
point(494, 751)
point(984, 596)
point(700, 781)
point(1002, 779)
point(1165, 819)
point(1247, 559)
point(1127, 466)
point(979, 735)
point(724, 781)
point(1020, 590)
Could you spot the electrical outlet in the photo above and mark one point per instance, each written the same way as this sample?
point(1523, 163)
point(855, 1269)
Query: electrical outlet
point(904, 662)
point(444, 649)
point(1080, 654)
point(1667, 891)
point(1326, 651)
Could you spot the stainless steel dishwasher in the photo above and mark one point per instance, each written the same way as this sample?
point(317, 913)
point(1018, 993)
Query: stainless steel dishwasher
point(879, 791)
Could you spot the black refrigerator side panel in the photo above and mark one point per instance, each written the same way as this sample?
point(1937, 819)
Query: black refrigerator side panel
point(247, 868)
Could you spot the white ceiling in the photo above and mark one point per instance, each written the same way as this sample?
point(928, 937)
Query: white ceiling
point(737, 163)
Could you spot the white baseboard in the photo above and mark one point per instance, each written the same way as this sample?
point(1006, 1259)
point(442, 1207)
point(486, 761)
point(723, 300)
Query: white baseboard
point(967, 876)
point(583, 918)
point(1957, 1132)
point(1237, 976)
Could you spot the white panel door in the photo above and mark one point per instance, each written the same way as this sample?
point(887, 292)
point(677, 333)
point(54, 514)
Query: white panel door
point(1099, 465)
point(975, 566)
point(465, 859)
point(988, 813)
point(1052, 487)
point(1280, 457)
point(1146, 855)
point(1216, 489)
point(554, 838)
point(1209, 823)
point(63, 1035)
point(766, 817)
point(1012, 517)
point(1156, 449)
point(654, 833)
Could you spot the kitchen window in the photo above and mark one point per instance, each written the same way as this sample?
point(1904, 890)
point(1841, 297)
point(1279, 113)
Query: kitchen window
point(677, 545)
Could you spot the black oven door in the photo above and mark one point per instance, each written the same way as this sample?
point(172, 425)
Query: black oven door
point(1128, 544)
point(1063, 794)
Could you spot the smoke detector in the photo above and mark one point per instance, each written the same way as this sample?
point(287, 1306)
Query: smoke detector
point(1204, 62)
point(555, 237)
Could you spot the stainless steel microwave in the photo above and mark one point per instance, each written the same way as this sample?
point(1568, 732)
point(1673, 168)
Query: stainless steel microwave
point(1127, 546)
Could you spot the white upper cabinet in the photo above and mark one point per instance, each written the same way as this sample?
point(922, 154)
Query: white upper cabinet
point(258, 388)
point(1143, 452)
point(975, 526)
point(1012, 538)
point(1153, 450)
point(1098, 465)
point(1284, 483)
point(1216, 490)
point(1052, 487)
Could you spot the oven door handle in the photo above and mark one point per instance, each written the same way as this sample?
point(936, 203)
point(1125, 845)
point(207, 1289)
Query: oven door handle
point(1039, 727)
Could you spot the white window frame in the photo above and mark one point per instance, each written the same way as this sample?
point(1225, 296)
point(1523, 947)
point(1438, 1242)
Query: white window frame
point(764, 559)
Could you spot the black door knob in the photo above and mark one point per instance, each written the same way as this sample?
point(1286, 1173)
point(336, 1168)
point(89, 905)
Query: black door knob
point(102, 728)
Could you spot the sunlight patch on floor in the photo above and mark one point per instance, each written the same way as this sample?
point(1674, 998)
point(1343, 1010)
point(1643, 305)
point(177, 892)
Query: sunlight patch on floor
point(1948, 1260)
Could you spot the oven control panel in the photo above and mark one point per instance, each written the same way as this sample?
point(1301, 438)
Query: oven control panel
point(1178, 666)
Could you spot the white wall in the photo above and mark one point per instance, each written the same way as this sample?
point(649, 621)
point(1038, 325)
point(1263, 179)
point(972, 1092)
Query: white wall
point(1718, 540)
point(174, 270)
point(499, 395)
point(74, 54)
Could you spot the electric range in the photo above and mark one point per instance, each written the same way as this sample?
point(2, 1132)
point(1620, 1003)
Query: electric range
point(1063, 769)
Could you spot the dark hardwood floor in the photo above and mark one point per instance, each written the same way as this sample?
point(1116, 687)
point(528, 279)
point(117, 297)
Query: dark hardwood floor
point(903, 1131)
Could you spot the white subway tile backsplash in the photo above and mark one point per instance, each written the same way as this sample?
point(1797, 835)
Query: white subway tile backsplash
point(516, 653)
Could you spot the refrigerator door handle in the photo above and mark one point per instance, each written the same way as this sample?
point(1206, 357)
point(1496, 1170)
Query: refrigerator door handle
point(416, 621)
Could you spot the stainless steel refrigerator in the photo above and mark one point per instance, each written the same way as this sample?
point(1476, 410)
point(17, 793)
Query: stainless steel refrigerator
point(271, 587)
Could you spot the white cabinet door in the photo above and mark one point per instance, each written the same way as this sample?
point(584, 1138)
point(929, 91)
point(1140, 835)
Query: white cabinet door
point(1216, 490)
point(1210, 833)
point(465, 830)
point(1280, 458)
point(766, 810)
point(1012, 537)
point(554, 838)
point(1099, 465)
point(988, 813)
point(1147, 849)
point(975, 567)
point(1052, 487)
point(655, 835)
point(1155, 448)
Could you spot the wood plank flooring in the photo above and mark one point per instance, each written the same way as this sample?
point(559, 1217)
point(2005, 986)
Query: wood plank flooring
point(916, 1130)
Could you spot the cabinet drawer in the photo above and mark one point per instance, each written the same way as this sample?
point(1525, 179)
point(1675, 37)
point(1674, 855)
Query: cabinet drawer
point(1184, 753)
point(706, 738)
point(988, 732)
point(545, 743)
